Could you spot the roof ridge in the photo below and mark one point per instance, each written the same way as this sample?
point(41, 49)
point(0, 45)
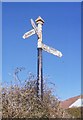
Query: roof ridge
point(78, 96)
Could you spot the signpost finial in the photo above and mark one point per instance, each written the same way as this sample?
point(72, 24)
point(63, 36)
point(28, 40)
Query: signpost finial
point(39, 20)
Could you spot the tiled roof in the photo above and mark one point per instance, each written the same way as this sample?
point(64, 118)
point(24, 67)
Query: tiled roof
point(65, 104)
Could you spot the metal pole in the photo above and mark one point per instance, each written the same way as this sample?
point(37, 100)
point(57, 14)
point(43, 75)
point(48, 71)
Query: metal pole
point(39, 75)
point(40, 22)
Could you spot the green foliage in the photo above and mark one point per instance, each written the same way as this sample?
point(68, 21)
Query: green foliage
point(82, 112)
point(75, 112)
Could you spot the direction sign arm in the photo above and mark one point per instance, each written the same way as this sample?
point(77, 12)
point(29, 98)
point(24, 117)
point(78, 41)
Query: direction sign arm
point(51, 50)
point(29, 33)
point(34, 26)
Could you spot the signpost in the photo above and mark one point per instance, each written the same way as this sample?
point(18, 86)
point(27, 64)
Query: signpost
point(37, 29)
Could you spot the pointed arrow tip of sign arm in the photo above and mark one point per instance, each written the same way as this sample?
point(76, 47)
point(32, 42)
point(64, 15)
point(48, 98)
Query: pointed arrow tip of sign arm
point(23, 37)
point(61, 55)
point(31, 20)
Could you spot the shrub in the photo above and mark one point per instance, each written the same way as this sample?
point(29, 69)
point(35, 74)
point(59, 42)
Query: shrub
point(75, 112)
point(21, 101)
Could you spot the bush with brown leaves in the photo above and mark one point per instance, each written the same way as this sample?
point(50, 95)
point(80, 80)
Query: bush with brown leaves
point(21, 101)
